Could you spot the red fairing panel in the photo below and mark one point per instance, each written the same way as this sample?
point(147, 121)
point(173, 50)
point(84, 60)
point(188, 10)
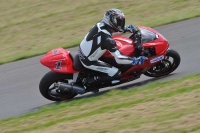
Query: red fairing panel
point(58, 60)
point(125, 46)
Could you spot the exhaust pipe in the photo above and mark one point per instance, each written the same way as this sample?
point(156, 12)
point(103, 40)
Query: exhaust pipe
point(66, 88)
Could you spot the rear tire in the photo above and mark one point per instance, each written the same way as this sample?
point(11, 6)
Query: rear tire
point(49, 79)
point(160, 69)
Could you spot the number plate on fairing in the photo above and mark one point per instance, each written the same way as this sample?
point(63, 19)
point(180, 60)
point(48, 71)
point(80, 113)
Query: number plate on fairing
point(159, 58)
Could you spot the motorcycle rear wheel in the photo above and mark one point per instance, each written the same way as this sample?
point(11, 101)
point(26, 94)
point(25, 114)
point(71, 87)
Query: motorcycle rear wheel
point(47, 82)
point(166, 66)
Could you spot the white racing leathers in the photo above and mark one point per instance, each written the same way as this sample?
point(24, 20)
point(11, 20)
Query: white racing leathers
point(94, 45)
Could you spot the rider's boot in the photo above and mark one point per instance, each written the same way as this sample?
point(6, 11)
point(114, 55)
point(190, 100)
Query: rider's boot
point(95, 81)
point(100, 79)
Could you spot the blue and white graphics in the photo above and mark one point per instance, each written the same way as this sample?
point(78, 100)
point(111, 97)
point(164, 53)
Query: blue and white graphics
point(159, 58)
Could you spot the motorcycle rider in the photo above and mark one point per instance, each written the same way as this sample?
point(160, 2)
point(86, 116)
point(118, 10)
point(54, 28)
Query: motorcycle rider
point(99, 39)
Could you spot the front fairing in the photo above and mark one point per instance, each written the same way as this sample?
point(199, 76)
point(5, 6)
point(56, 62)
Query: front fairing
point(152, 38)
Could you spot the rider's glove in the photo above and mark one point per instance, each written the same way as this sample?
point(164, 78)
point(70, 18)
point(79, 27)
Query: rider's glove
point(129, 28)
point(138, 61)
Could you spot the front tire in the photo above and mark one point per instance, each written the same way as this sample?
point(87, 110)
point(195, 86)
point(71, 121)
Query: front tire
point(48, 80)
point(166, 66)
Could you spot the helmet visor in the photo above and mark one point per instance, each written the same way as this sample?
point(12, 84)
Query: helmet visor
point(120, 23)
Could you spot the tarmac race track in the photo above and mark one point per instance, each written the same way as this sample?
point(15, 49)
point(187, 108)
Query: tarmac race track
point(19, 92)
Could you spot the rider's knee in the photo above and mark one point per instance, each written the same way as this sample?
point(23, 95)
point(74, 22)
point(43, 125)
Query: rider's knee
point(118, 75)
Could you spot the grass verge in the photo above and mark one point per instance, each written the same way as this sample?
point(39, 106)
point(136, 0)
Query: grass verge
point(169, 106)
point(32, 27)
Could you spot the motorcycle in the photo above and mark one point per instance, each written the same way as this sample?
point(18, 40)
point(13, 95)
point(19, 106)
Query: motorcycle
point(67, 75)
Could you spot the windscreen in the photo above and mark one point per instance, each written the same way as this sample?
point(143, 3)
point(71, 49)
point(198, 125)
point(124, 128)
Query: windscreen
point(147, 35)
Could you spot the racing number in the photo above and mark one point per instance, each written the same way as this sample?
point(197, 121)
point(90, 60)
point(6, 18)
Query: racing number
point(58, 65)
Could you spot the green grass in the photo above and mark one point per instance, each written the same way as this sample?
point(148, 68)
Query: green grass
point(32, 27)
point(169, 106)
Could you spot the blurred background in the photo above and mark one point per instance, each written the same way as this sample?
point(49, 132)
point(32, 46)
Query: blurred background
point(32, 27)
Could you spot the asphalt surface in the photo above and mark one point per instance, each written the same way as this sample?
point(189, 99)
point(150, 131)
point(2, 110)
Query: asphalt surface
point(19, 92)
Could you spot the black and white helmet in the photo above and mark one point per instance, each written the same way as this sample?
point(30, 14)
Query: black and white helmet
point(115, 19)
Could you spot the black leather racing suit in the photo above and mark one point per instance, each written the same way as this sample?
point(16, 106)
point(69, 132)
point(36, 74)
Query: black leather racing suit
point(94, 45)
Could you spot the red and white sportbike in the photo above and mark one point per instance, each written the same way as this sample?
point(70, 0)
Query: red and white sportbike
point(65, 80)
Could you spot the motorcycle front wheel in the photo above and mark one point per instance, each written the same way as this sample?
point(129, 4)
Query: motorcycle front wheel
point(48, 89)
point(166, 66)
